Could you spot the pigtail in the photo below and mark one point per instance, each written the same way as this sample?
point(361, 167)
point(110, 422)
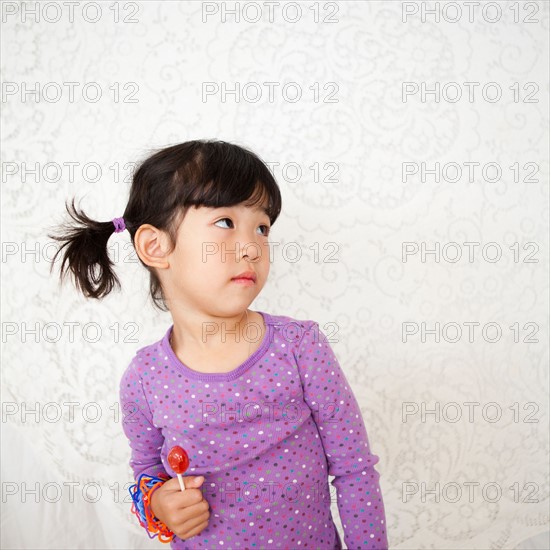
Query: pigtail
point(85, 254)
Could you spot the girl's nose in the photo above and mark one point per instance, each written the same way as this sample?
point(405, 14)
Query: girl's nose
point(251, 251)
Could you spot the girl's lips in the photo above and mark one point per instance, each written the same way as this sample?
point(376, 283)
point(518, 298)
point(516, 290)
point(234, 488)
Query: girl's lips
point(249, 274)
point(248, 282)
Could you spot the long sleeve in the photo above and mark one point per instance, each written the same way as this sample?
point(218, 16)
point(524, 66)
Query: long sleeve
point(344, 437)
point(144, 438)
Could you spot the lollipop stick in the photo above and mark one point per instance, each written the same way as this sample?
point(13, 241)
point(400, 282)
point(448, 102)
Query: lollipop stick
point(180, 479)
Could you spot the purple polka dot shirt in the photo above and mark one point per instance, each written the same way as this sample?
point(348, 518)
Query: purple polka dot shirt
point(265, 436)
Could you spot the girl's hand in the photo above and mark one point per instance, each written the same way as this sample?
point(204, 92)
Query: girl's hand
point(185, 513)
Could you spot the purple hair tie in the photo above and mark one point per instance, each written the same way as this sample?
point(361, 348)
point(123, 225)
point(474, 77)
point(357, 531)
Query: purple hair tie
point(119, 224)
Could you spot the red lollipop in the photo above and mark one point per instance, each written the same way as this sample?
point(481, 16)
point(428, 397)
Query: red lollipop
point(179, 462)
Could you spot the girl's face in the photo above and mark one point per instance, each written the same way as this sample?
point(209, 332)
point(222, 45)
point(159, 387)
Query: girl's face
point(215, 245)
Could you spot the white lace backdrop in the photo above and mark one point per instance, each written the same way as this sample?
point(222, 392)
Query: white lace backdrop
point(472, 474)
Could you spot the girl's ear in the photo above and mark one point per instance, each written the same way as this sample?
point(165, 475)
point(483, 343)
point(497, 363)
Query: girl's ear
point(152, 246)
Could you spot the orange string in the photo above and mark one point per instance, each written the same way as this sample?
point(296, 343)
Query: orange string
point(154, 525)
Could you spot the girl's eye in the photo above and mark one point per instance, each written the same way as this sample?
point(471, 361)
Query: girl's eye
point(266, 227)
point(223, 219)
point(266, 230)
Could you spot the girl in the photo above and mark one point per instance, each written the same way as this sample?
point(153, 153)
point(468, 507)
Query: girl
point(258, 401)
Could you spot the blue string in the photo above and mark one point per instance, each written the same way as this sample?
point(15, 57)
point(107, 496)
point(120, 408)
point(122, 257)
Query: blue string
point(137, 497)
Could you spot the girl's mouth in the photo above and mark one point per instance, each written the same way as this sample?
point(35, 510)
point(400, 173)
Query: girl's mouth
point(247, 276)
point(243, 281)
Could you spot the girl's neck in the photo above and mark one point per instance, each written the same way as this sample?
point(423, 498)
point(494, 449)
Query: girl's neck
point(210, 336)
point(223, 356)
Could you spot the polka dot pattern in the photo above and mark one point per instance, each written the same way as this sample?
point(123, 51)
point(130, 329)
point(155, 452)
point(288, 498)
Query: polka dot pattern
point(265, 436)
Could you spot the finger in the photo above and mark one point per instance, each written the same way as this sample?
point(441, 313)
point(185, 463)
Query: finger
point(195, 522)
point(172, 485)
point(195, 531)
point(186, 523)
point(191, 482)
point(187, 499)
point(191, 512)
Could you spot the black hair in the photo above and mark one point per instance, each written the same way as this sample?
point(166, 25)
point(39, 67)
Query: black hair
point(211, 173)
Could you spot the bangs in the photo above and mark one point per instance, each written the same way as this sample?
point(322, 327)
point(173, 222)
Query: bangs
point(224, 175)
